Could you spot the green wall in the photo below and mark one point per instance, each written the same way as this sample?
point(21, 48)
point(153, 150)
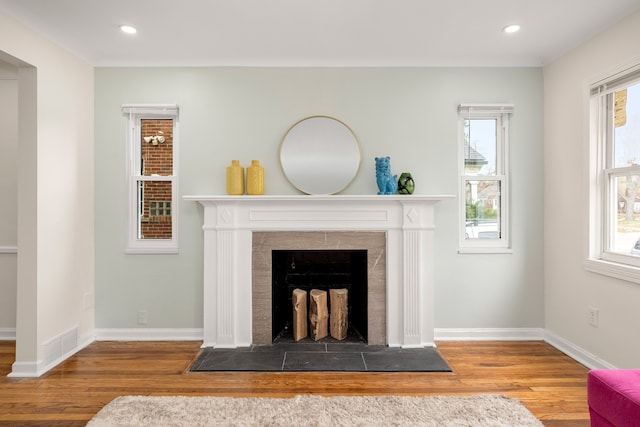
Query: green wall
point(243, 113)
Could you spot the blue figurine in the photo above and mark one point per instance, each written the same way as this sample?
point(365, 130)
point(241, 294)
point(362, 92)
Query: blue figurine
point(387, 184)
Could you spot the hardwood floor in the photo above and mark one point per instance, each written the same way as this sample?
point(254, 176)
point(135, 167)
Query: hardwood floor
point(550, 384)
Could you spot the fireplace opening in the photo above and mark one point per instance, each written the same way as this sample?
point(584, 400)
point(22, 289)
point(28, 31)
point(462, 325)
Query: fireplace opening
point(322, 270)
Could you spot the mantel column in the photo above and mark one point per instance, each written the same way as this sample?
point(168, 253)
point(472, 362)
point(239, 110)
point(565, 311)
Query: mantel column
point(417, 274)
point(219, 276)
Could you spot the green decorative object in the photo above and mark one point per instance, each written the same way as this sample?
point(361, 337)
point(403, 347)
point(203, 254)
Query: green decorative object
point(406, 184)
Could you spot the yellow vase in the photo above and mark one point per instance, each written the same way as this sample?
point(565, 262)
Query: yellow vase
point(235, 179)
point(255, 178)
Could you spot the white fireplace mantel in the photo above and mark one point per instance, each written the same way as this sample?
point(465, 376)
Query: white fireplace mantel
point(229, 222)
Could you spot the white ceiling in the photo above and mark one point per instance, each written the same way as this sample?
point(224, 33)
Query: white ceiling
point(319, 32)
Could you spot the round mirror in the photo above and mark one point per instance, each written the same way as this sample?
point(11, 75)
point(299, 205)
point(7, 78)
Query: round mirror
point(320, 155)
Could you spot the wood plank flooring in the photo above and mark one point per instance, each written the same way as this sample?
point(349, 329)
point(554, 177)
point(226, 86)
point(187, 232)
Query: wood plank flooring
point(550, 384)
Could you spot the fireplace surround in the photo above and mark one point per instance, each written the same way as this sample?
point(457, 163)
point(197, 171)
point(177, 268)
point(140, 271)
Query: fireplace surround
point(232, 224)
point(263, 245)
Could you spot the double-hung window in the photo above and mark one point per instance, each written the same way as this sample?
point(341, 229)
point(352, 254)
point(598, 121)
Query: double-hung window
point(484, 178)
point(614, 121)
point(152, 175)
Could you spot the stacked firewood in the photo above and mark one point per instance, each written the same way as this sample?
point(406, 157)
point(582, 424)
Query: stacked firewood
point(315, 321)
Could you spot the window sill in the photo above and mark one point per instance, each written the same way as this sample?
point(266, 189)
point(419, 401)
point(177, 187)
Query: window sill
point(485, 250)
point(151, 251)
point(613, 269)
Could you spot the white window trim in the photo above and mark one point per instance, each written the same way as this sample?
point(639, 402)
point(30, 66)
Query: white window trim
point(501, 113)
point(620, 266)
point(136, 112)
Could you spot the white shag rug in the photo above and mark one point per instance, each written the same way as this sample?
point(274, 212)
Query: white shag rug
point(310, 410)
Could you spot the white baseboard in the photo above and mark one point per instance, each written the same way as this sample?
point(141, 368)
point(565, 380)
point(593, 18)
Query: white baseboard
point(489, 334)
point(149, 334)
point(7, 334)
point(67, 344)
point(55, 351)
point(576, 353)
point(35, 369)
point(24, 370)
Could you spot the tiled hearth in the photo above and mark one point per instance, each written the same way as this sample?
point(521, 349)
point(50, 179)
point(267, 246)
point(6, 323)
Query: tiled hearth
point(237, 259)
point(321, 357)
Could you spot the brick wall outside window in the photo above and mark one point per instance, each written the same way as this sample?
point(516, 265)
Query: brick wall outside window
point(156, 160)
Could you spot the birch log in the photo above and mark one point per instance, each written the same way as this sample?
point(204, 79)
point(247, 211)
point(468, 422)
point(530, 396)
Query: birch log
point(339, 313)
point(318, 314)
point(299, 299)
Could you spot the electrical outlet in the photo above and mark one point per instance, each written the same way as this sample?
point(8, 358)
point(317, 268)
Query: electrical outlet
point(594, 316)
point(142, 317)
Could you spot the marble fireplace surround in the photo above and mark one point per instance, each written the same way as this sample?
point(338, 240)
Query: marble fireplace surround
point(264, 243)
point(234, 225)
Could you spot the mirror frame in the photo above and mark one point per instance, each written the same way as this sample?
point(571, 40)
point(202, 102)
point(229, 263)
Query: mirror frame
point(307, 166)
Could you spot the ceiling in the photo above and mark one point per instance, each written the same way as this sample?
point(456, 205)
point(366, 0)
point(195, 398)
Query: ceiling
point(320, 32)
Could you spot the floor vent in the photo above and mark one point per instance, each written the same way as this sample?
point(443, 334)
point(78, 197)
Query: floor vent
point(57, 347)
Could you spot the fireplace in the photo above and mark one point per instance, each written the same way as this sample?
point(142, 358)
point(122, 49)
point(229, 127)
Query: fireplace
point(322, 270)
point(241, 233)
point(371, 249)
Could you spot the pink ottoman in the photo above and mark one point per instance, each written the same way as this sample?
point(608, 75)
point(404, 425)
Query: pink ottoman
point(613, 396)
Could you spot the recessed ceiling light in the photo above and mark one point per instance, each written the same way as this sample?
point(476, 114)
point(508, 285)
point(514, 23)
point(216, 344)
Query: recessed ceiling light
point(128, 29)
point(513, 28)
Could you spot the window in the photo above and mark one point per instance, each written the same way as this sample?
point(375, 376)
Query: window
point(159, 208)
point(614, 238)
point(484, 177)
point(152, 178)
